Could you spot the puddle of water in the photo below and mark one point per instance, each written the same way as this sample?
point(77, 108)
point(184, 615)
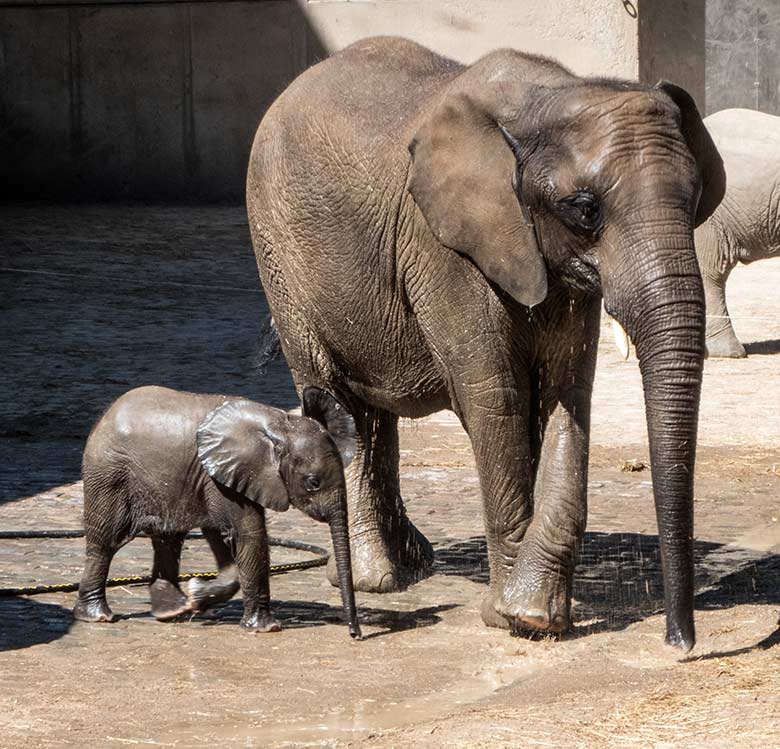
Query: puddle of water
point(370, 716)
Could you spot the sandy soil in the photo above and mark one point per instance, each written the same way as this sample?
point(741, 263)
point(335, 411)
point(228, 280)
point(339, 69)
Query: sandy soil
point(96, 300)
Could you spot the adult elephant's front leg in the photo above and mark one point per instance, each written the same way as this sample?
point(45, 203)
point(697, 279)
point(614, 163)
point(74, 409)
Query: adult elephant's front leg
point(388, 552)
point(496, 418)
point(537, 594)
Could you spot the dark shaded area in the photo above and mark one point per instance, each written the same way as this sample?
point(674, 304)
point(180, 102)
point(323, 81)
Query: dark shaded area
point(141, 100)
point(619, 580)
point(304, 614)
point(671, 41)
point(27, 622)
point(743, 55)
point(97, 300)
point(768, 642)
point(763, 347)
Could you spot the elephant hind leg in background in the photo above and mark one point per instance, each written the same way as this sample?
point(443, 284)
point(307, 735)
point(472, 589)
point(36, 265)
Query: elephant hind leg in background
point(715, 251)
point(388, 552)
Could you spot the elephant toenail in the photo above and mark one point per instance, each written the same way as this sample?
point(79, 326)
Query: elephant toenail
point(536, 619)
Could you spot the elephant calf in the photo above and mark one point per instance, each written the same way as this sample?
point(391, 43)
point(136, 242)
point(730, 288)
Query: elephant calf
point(161, 462)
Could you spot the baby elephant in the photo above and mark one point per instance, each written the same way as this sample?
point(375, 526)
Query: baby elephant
point(161, 462)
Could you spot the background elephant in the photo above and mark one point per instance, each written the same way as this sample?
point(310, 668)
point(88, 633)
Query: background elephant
point(437, 236)
point(161, 462)
point(746, 225)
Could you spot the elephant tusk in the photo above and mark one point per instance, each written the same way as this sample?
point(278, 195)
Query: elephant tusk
point(621, 338)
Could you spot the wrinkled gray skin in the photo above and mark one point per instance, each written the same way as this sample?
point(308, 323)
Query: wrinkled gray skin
point(162, 462)
point(383, 199)
point(746, 225)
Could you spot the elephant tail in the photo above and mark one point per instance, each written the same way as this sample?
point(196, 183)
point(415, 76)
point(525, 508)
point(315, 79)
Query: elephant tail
point(269, 347)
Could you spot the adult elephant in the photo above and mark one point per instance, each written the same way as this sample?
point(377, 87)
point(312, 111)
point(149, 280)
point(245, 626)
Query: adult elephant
point(746, 225)
point(432, 235)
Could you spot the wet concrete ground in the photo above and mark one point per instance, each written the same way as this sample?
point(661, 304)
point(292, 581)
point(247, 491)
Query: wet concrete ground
point(96, 300)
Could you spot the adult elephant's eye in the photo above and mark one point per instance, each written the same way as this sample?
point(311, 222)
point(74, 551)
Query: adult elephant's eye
point(311, 483)
point(582, 212)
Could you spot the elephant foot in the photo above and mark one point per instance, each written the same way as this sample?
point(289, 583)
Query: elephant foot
point(375, 570)
point(489, 611)
point(541, 606)
point(204, 594)
point(725, 346)
point(93, 611)
point(168, 602)
point(260, 622)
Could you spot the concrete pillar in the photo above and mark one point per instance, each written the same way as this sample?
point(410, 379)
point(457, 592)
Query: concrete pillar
point(671, 44)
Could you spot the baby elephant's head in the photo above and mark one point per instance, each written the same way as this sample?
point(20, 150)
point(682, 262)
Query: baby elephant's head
point(319, 445)
point(275, 459)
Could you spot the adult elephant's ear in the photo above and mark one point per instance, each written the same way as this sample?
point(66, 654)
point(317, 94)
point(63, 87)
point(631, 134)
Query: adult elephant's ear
point(701, 145)
point(321, 406)
point(240, 444)
point(462, 180)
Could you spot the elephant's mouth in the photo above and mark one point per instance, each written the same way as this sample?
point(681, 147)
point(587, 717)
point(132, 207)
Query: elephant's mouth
point(582, 272)
point(315, 512)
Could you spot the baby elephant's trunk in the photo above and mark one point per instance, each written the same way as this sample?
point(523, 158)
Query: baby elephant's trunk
point(339, 530)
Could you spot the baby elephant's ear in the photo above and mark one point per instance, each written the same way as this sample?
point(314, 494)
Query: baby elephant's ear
point(239, 444)
point(324, 408)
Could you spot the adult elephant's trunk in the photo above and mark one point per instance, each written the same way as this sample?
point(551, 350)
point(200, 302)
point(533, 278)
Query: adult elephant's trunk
point(663, 312)
point(339, 531)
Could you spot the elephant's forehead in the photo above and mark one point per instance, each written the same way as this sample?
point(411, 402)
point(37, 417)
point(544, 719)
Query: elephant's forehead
point(598, 110)
point(605, 129)
point(310, 437)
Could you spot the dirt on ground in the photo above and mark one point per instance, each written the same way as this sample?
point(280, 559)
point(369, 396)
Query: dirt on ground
point(98, 299)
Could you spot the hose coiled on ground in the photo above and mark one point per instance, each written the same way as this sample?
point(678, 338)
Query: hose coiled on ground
point(276, 569)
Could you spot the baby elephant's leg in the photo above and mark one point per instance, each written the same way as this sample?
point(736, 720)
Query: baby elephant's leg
point(92, 605)
point(253, 569)
point(203, 594)
point(168, 601)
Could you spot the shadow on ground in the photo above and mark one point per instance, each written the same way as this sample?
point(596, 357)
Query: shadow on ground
point(27, 622)
point(97, 300)
point(618, 583)
point(303, 614)
point(763, 347)
point(619, 580)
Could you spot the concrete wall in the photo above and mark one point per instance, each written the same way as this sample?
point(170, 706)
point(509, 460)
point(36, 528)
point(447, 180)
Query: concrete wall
point(743, 55)
point(671, 44)
point(725, 52)
point(140, 100)
point(150, 99)
point(590, 36)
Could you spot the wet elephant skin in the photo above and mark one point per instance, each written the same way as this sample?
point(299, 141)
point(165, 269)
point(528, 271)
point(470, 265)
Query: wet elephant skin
point(161, 462)
point(432, 235)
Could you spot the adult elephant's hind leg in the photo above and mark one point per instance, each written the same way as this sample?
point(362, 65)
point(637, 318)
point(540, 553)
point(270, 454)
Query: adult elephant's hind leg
point(388, 552)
